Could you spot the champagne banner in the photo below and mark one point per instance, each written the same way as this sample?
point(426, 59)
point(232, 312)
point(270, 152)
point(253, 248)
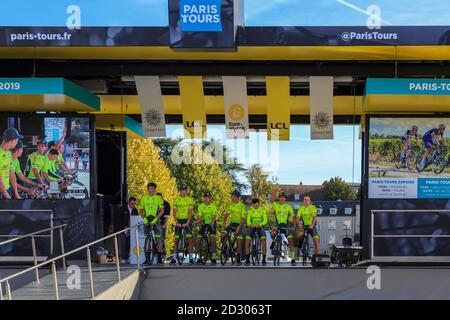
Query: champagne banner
point(236, 107)
point(278, 108)
point(321, 107)
point(193, 106)
point(152, 108)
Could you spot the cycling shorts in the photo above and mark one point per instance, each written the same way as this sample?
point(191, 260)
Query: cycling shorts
point(204, 228)
point(259, 231)
point(314, 232)
point(233, 227)
point(289, 232)
point(187, 230)
point(156, 227)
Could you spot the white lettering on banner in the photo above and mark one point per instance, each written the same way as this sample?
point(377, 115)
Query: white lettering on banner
point(392, 188)
point(417, 86)
point(200, 14)
point(375, 35)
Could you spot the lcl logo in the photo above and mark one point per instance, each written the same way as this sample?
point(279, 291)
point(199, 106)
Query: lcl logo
point(194, 124)
point(278, 125)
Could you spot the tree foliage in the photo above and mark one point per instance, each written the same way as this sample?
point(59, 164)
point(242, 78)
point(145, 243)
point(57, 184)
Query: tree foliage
point(144, 166)
point(337, 189)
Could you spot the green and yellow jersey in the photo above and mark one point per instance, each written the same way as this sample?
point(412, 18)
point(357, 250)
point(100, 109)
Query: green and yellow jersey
point(207, 212)
point(15, 165)
point(183, 204)
point(36, 161)
point(282, 212)
point(307, 214)
point(5, 166)
point(151, 206)
point(237, 212)
point(256, 216)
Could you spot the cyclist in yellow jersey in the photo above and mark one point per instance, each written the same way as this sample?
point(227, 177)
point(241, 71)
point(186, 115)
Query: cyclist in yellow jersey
point(8, 183)
point(207, 217)
point(152, 209)
point(256, 220)
point(36, 162)
point(17, 152)
point(183, 208)
point(307, 218)
point(237, 214)
point(285, 218)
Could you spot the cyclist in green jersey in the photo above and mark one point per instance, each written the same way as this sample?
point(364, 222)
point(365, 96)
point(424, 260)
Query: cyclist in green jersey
point(256, 220)
point(285, 217)
point(237, 213)
point(307, 219)
point(152, 209)
point(8, 183)
point(17, 152)
point(207, 212)
point(47, 170)
point(183, 208)
point(36, 162)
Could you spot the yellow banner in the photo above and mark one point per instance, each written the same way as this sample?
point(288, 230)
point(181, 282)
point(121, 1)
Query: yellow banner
point(193, 106)
point(278, 108)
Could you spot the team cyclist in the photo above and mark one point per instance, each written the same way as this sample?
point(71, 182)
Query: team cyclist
point(207, 212)
point(430, 139)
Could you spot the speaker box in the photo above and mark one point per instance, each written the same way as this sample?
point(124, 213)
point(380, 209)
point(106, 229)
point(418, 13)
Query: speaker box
point(320, 261)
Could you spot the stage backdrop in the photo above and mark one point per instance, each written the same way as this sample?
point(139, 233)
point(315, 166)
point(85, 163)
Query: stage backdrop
point(406, 207)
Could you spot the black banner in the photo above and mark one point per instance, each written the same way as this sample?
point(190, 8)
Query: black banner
point(246, 36)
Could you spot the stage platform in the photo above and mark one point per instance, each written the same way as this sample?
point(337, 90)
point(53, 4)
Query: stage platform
point(286, 282)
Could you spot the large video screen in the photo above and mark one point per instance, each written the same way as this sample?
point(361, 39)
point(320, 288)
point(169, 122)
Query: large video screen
point(408, 158)
point(45, 157)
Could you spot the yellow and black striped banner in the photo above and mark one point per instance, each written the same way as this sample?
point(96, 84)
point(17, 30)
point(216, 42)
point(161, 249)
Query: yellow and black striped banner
point(278, 108)
point(193, 106)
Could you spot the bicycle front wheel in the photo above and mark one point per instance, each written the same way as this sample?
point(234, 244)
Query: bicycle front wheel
point(225, 251)
point(399, 160)
point(205, 252)
point(277, 249)
point(305, 250)
point(439, 165)
point(255, 251)
point(411, 161)
point(150, 250)
point(181, 250)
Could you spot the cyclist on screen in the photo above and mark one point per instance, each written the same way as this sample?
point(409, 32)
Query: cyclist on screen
point(35, 163)
point(207, 215)
point(17, 152)
point(152, 210)
point(406, 139)
point(237, 214)
point(430, 140)
point(256, 220)
point(307, 219)
point(183, 208)
point(8, 188)
point(284, 215)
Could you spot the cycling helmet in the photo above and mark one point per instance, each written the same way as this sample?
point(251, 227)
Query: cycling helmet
point(441, 126)
point(415, 128)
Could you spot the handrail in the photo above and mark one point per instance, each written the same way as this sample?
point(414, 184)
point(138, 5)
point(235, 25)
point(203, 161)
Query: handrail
point(31, 234)
point(64, 255)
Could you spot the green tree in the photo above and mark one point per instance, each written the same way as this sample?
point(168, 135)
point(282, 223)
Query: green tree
point(337, 189)
point(144, 166)
point(261, 187)
point(216, 149)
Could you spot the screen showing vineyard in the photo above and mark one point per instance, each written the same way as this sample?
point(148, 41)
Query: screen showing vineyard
point(408, 158)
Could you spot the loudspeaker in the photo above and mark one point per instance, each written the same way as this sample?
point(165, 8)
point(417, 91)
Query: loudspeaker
point(320, 261)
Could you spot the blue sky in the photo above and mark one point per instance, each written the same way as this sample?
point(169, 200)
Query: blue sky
point(300, 159)
point(257, 12)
